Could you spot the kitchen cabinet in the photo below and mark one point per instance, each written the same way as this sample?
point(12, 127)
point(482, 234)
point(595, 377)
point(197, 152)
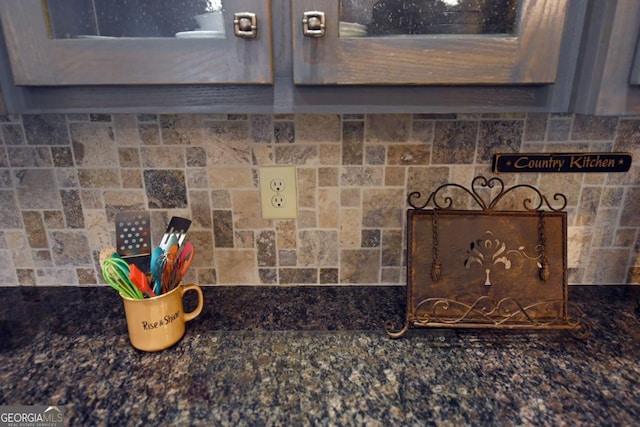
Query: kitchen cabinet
point(526, 52)
point(75, 42)
point(529, 67)
point(608, 80)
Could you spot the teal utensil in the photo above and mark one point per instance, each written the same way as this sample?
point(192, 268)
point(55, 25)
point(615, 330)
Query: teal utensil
point(156, 269)
point(116, 273)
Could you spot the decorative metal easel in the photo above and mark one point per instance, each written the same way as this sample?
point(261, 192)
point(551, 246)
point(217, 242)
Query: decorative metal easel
point(487, 267)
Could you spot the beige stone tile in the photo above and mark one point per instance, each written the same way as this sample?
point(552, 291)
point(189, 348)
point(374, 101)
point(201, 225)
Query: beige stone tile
point(232, 152)
point(350, 228)
point(286, 236)
point(395, 176)
point(350, 197)
point(231, 177)
point(360, 266)
point(197, 178)
point(98, 229)
point(220, 199)
point(318, 248)
point(18, 245)
point(162, 157)
point(182, 129)
point(329, 154)
point(235, 266)
point(607, 266)
point(93, 145)
point(202, 241)
point(367, 176)
point(307, 218)
point(328, 207)
point(296, 154)
point(131, 178)
point(262, 154)
point(244, 239)
point(123, 200)
point(307, 184)
point(578, 245)
point(388, 128)
point(382, 207)
point(328, 176)
point(125, 129)
point(246, 210)
point(318, 128)
point(99, 178)
point(405, 154)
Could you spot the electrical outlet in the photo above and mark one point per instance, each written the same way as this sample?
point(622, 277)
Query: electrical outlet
point(278, 192)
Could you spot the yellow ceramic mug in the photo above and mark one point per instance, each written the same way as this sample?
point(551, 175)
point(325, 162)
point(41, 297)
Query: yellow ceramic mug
point(157, 323)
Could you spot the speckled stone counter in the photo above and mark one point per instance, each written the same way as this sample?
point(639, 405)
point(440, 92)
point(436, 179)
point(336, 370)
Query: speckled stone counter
point(315, 356)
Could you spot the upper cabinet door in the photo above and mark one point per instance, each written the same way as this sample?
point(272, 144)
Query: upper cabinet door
point(608, 78)
point(140, 42)
point(434, 42)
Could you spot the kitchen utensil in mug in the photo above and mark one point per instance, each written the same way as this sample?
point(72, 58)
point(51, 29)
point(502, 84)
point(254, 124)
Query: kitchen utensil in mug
point(185, 258)
point(115, 271)
point(156, 269)
point(133, 237)
point(177, 226)
point(157, 323)
point(169, 268)
point(139, 279)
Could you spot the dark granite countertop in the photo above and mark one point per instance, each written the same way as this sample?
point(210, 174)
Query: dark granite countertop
point(316, 356)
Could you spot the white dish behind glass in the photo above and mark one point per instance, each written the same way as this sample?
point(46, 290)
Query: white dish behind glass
point(200, 35)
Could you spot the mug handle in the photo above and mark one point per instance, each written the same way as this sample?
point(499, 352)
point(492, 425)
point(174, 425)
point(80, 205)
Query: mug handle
point(192, 315)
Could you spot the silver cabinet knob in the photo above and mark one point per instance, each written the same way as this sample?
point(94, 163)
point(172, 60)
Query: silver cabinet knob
point(245, 24)
point(313, 24)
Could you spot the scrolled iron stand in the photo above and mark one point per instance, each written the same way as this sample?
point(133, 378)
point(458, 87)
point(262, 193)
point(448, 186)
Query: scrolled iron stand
point(495, 314)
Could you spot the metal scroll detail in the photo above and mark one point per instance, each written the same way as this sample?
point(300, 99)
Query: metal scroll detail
point(506, 312)
point(453, 254)
point(440, 201)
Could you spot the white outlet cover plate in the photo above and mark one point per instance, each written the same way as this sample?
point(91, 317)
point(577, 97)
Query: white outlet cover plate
point(287, 174)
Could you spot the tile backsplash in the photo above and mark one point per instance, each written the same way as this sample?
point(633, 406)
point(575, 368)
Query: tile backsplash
point(63, 178)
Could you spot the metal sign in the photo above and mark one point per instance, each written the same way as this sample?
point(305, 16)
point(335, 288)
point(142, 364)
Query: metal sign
point(562, 162)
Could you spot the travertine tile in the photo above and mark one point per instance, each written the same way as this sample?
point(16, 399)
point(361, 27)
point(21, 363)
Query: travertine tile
point(382, 207)
point(535, 127)
point(93, 145)
point(36, 189)
point(183, 129)
point(236, 266)
point(318, 248)
point(360, 266)
point(593, 127)
point(498, 136)
point(454, 142)
point(388, 127)
point(350, 226)
point(328, 206)
point(318, 128)
point(126, 129)
point(46, 129)
point(352, 143)
point(165, 189)
point(409, 155)
point(63, 178)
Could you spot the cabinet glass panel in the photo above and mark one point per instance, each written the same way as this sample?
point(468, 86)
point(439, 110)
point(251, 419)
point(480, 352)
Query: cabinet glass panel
point(134, 18)
point(360, 18)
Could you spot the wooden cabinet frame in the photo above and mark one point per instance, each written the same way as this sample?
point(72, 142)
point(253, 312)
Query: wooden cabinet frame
point(608, 77)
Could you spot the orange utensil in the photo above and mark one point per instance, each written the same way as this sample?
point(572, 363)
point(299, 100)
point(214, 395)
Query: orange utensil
point(140, 280)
